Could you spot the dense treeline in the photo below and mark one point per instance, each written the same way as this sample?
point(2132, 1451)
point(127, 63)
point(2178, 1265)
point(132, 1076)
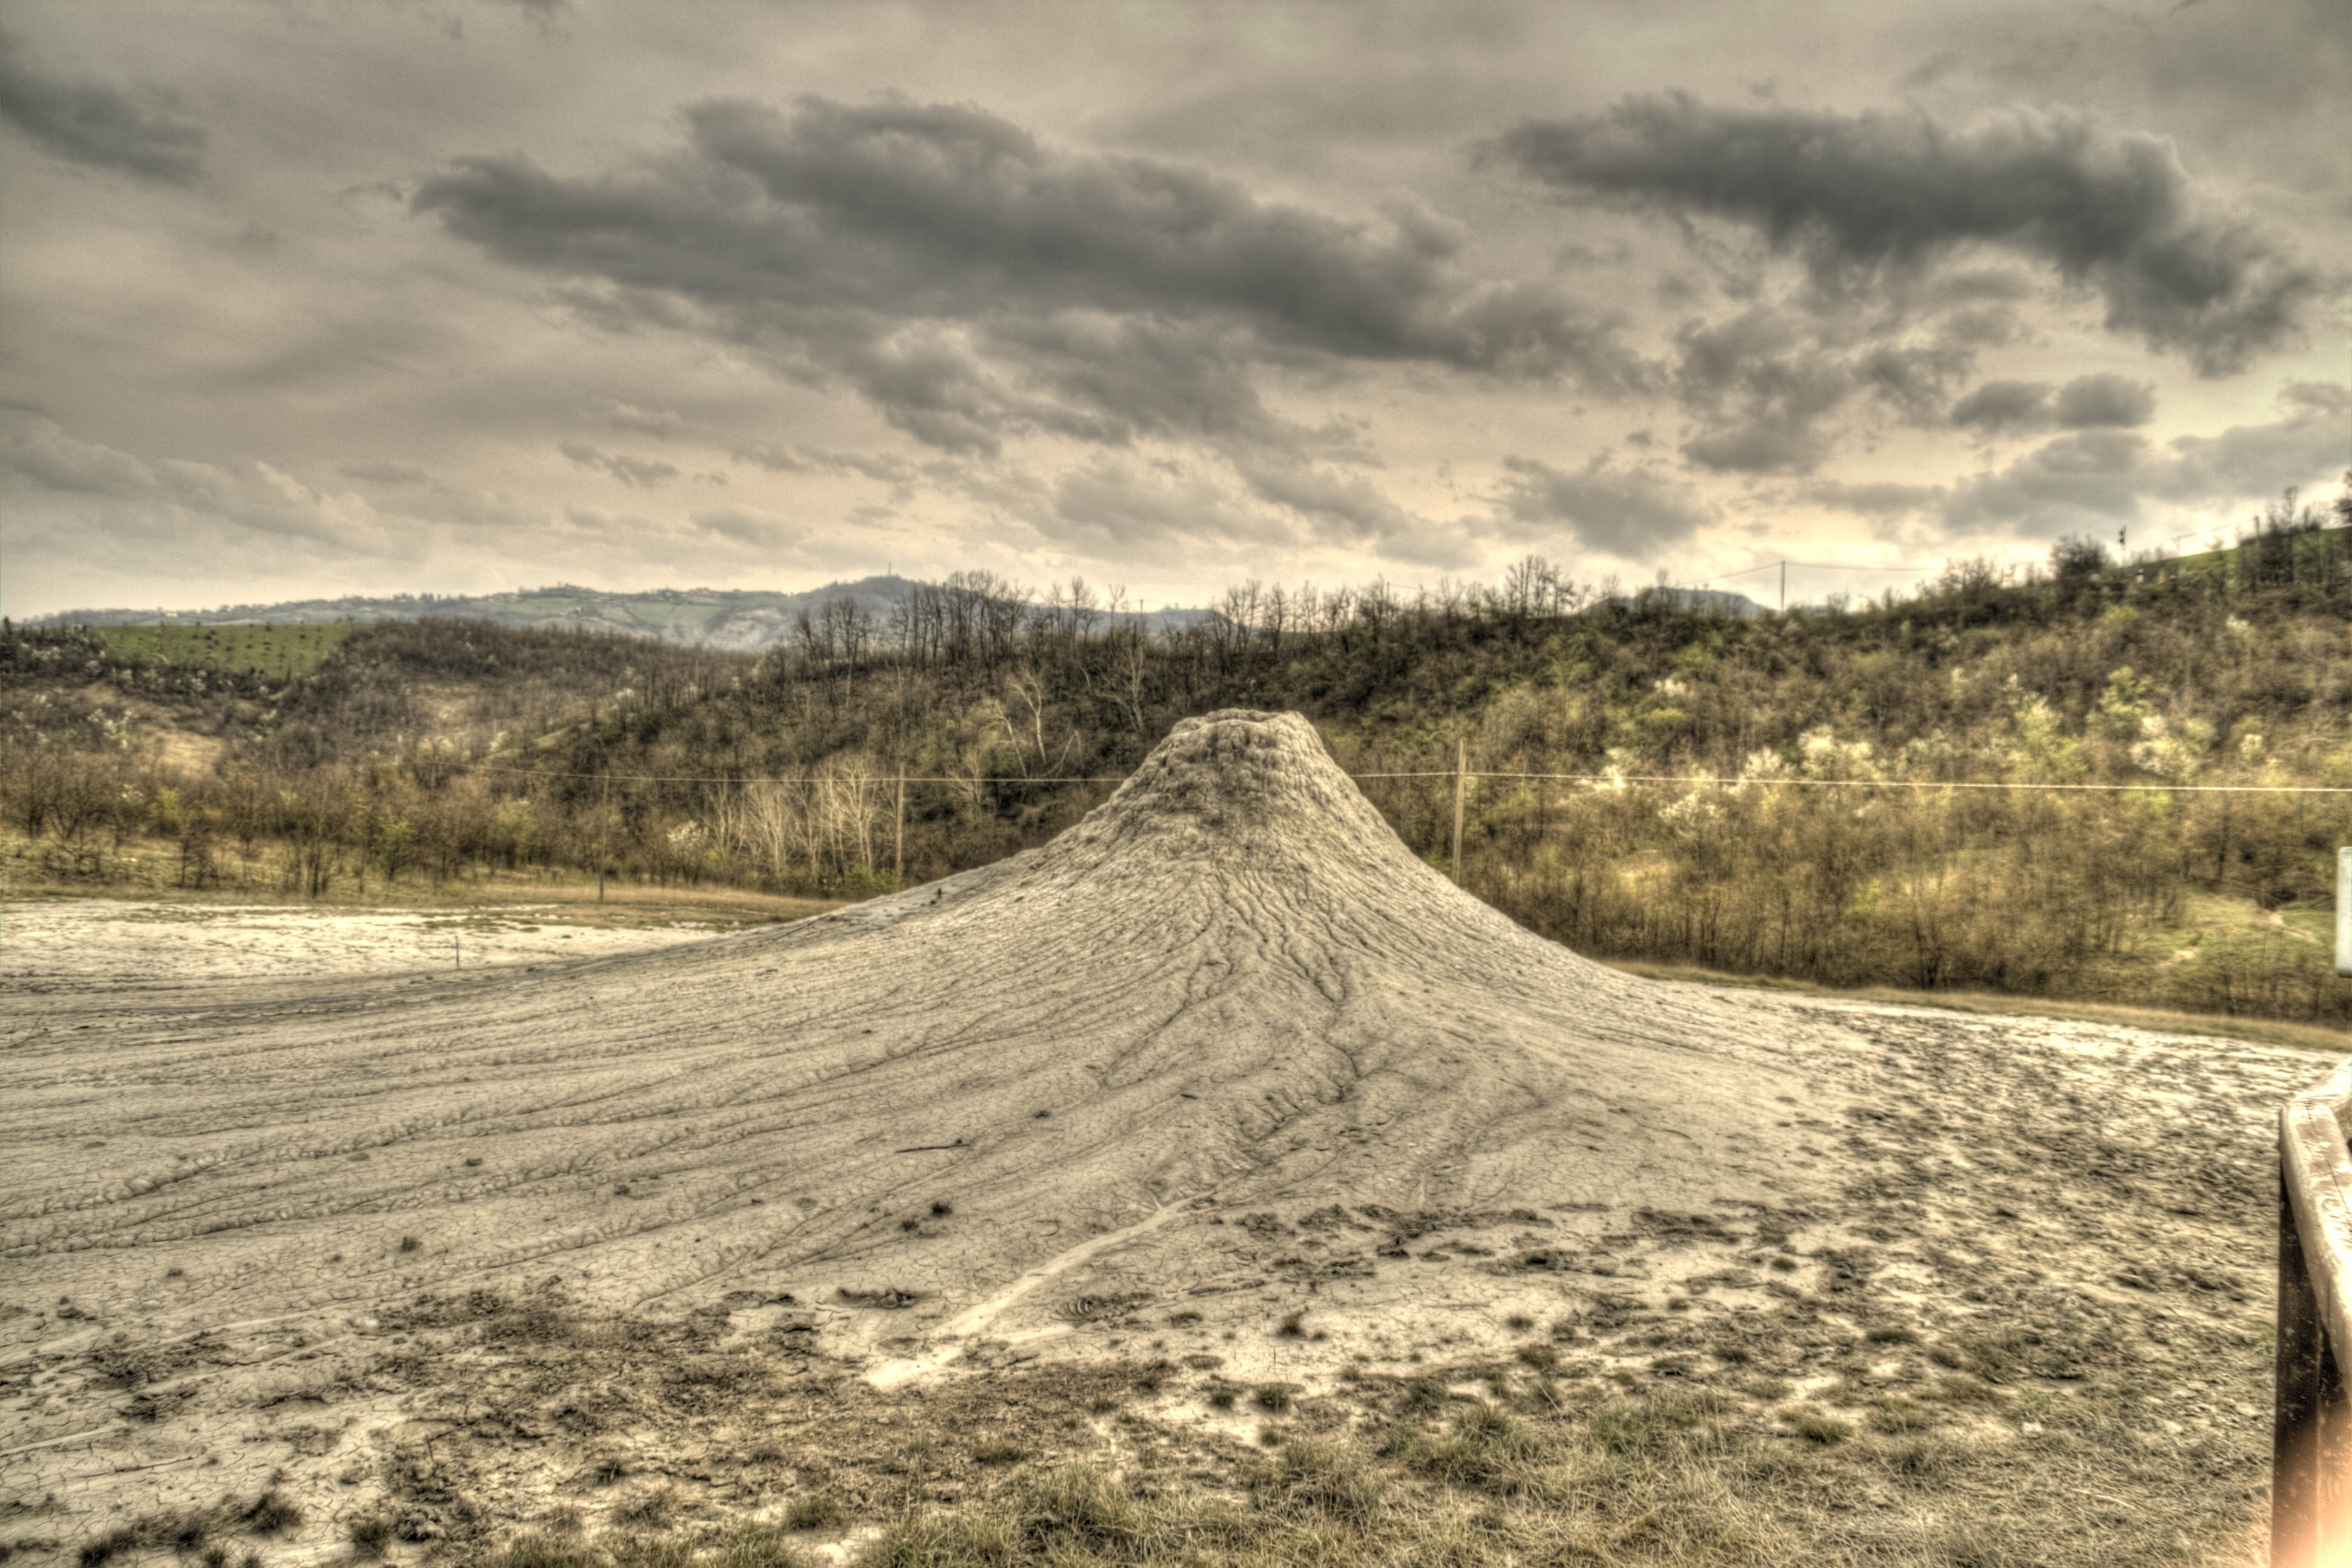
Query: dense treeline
point(438, 749)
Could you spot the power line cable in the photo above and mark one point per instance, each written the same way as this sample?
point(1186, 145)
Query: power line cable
point(1449, 773)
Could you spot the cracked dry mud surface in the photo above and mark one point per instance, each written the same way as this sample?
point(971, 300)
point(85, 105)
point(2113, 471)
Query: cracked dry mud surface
point(1221, 1090)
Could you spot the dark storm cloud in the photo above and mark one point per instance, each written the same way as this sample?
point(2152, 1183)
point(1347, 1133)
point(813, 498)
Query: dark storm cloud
point(2104, 476)
point(1632, 513)
point(972, 281)
point(1874, 199)
point(637, 472)
point(2090, 402)
point(1764, 387)
point(1998, 407)
point(88, 123)
point(2103, 401)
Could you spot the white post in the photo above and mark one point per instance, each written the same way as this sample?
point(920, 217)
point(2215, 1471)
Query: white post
point(2344, 911)
point(1461, 780)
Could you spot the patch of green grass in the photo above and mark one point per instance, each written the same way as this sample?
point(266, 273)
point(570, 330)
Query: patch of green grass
point(272, 650)
point(369, 1534)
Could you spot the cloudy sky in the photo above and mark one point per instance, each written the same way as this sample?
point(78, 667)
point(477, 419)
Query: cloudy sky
point(463, 295)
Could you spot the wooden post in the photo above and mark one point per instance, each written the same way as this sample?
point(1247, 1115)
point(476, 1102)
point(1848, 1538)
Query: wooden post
point(898, 842)
point(2344, 910)
point(2311, 1464)
point(2294, 1413)
point(1461, 780)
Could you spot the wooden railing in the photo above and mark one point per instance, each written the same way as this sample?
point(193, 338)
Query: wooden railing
point(2311, 1471)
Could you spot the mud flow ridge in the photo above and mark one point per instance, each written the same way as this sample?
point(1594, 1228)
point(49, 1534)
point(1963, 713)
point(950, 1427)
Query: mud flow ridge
point(1231, 978)
point(975, 1115)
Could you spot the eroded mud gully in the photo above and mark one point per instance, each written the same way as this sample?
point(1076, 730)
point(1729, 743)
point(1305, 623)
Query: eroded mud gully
point(1222, 1091)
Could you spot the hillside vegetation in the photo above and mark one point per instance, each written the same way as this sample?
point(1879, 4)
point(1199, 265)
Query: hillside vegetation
point(1702, 830)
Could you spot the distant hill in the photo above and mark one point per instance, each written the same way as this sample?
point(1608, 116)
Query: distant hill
point(745, 619)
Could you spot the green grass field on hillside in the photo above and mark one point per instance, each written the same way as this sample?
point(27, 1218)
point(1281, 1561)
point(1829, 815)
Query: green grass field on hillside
point(273, 651)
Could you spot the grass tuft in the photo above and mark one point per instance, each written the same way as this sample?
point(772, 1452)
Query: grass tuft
point(650, 1510)
point(1310, 1479)
point(273, 1512)
point(814, 1511)
point(1822, 1430)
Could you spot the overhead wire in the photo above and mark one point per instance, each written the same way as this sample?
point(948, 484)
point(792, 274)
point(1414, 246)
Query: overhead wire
point(1613, 779)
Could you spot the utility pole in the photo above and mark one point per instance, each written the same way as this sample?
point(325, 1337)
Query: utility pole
point(1461, 780)
point(898, 843)
point(1784, 587)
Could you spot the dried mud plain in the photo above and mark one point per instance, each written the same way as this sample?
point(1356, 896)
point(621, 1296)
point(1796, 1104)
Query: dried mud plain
point(1214, 1184)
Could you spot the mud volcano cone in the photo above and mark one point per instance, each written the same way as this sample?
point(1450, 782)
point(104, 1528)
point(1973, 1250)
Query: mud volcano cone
point(1230, 994)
